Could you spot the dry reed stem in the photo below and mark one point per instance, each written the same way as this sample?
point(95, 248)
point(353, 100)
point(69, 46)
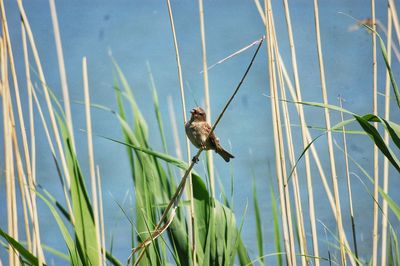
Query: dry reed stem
point(303, 128)
point(379, 25)
point(314, 152)
point(24, 197)
point(21, 177)
point(311, 207)
point(49, 105)
point(47, 96)
point(296, 190)
point(376, 158)
point(329, 138)
point(63, 73)
point(395, 19)
point(102, 235)
point(346, 160)
point(292, 160)
point(191, 211)
point(234, 54)
point(210, 155)
point(31, 122)
point(12, 222)
point(32, 178)
point(52, 149)
point(287, 235)
point(91, 155)
point(24, 137)
point(386, 139)
point(24, 188)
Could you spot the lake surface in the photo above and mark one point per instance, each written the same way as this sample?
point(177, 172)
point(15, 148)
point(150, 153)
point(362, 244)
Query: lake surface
point(137, 32)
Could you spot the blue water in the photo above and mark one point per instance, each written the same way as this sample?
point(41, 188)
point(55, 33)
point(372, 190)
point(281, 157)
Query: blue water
point(136, 32)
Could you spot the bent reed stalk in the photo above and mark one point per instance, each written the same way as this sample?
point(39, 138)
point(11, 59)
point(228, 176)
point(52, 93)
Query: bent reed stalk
point(191, 211)
point(159, 229)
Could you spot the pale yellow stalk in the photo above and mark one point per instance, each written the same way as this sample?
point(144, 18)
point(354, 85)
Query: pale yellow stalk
point(386, 138)
point(210, 161)
point(102, 235)
point(350, 194)
point(329, 137)
point(23, 133)
point(296, 189)
point(47, 98)
point(191, 224)
point(12, 221)
point(375, 235)
point(279, 157)
point(314, 153)
point(63, 73)
point(395, 19)
point(32, 178)
point(24, 198)
point(303, 125)
point(49, 141)
point(91, 155)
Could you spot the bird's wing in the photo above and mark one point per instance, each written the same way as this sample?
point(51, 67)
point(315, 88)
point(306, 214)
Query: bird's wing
point(213, 140)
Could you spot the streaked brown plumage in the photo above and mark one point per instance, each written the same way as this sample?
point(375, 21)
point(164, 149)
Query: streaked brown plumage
point(197, 130)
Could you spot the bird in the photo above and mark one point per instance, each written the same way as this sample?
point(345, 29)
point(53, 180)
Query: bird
point(197, 129)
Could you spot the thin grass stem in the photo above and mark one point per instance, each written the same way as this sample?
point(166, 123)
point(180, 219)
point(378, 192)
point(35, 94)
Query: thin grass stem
point(329, 137)
point(8, 46)
point(47, 98)
point(210, 161)
point(8, 155)
point(296, 189)
point(91, 155)
point(61, 69)
point(101, 212)
point(346, 160)
point(375, 156)
point(386, 139)
point(191, 211)
point(279, 155)
point(396, 25)
point(311, 207)
point(32, 177)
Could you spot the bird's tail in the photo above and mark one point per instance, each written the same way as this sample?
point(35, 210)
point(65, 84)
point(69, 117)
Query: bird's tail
point(224, 154)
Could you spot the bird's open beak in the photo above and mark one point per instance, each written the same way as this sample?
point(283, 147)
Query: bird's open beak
point(191, 111)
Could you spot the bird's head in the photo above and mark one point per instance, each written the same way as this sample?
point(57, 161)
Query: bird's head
point(198, 114)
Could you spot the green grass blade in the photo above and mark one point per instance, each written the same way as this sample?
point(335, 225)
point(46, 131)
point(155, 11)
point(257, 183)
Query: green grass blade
point(20, 248)
point(396, 249)
point(392, 80)
point(275, 217)
point(379, 142)
point(56, 252)
point(84, 220)
point(258, 221)
point(243, 255)
point(72, 249)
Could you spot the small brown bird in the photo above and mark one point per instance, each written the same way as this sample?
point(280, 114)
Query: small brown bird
point(197, 129)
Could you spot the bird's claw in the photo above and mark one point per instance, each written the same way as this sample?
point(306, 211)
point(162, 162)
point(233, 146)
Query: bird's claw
point(195, 159)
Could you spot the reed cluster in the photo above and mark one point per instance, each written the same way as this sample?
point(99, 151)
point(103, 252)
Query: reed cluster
point(185, 223)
